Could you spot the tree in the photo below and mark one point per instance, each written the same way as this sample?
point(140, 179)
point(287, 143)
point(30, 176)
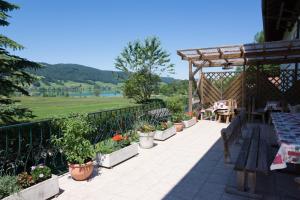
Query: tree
point(143, 62)
point(97, 90)
point(13, 75)
point(259, 37)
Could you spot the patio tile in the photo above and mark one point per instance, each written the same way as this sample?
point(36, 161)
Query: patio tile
point(188, 166)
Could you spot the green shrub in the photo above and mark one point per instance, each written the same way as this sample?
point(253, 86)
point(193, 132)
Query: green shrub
point(144, 127)
point(177, 117)
point(40, 173)
point(175, 104)
point(164, 126)
point(187, 117)
point(116, 142)
point(74, 142)
point(8, 185)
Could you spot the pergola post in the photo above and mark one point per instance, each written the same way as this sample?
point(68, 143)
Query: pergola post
point(190, 108)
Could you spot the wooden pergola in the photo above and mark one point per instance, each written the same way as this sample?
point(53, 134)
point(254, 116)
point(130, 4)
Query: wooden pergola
point(277, 52)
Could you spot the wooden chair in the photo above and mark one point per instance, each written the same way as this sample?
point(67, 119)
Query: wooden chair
point(252, 111)
point(229, 113)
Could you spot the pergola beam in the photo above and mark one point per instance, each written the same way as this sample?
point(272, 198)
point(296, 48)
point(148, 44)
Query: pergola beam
point(279, 52)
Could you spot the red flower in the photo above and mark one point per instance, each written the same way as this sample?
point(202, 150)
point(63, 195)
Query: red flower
point(117, 137)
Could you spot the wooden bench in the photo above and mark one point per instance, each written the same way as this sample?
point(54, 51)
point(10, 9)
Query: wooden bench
point(251, 160)
point(232, 133)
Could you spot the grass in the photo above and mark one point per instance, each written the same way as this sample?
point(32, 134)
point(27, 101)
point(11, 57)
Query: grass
point(47, 107)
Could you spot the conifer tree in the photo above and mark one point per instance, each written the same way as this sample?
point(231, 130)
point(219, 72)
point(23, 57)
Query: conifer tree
point(14, 75)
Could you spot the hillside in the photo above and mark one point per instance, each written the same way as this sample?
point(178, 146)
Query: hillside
point(82, 74)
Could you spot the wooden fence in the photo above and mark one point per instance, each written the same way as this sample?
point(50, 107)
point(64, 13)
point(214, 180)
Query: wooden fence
point(263, 84)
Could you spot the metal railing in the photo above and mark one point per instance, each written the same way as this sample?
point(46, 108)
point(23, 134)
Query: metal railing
point(27, 144)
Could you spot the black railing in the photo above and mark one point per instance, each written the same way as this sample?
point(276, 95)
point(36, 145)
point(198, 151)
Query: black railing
point(27, 144)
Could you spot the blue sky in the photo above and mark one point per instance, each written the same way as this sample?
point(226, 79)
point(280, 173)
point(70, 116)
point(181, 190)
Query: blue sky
point(93, 32)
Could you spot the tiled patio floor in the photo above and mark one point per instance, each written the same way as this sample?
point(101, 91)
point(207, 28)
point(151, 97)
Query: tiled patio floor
point(188, 166)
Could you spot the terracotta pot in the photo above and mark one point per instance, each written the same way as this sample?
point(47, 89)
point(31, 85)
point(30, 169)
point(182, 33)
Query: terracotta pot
point(195, 119)
point(179, 126)
point(81, 172)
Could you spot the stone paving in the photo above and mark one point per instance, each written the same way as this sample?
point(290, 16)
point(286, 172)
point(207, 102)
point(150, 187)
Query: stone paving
point(188, 166)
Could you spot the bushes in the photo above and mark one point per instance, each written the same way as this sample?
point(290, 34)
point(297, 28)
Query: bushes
point(40, 173)
point(175, 104)
point(74, 143)
point(8, 185)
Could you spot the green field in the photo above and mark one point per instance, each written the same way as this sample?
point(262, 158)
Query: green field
point(47, 107)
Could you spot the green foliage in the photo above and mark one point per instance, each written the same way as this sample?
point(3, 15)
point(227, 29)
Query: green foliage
point(259, 37)
point(8, 185)
point(140, 86)
point(74, 143)
point(25, 180)
point(144, 127)
point(187, 117)
point(13, 75)
point(175, 88)
point(97, 92)
point(110, 145)
point(177, 117)
point(175, 104)
point(143, 62)
point(164, 126)
point(41, 173)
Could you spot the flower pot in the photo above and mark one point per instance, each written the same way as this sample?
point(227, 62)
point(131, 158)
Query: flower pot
point(163, 135)
point(179, 126)
point(189, 123)
point(146, 140)
point(81, 172)
point(196, 119)
point(116, 157)
point(43, 190)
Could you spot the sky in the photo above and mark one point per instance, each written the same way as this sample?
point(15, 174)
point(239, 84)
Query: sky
point(94, 32)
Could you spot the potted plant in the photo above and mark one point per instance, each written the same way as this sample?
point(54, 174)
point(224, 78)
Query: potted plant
point(38, 184)
point(146, 133)
point(76, 146)
point(117, 149)
point(188, 120)
point(177, 120)
point(164, 130)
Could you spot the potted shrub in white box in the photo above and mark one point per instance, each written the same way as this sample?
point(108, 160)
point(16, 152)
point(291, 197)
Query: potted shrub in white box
point(164, 130)
point(189, 121)
point(146, 133)
point(117, 149)
point(39, 184)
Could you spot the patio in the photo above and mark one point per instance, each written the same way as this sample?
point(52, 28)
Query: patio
point(187, 166)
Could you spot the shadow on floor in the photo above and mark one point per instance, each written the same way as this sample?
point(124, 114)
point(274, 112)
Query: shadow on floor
point(209, 176)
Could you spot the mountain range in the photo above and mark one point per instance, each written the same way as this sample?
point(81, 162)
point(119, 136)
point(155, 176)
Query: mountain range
point(82, 74)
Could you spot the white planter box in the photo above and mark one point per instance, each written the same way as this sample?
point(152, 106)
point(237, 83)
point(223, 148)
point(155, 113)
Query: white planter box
point(163, 135)
point(41, 191)
point(114, 158)
point(189, 123)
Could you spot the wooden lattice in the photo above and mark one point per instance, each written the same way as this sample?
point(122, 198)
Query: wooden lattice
point(210, 93)
point(263, 84)
point(235, 90)
point(221, 80)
